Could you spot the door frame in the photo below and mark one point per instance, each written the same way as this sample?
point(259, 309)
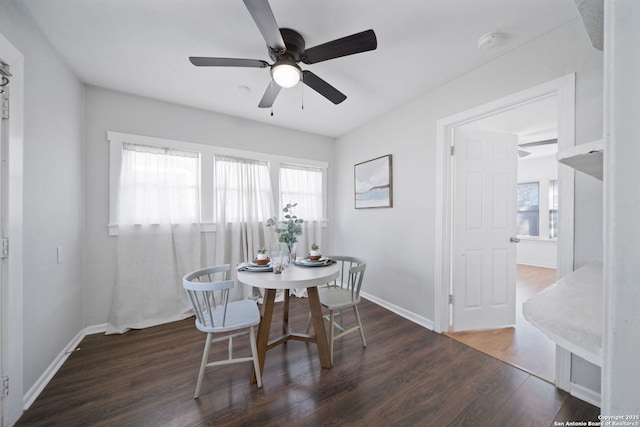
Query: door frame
point(564, 89)
point(11, 288)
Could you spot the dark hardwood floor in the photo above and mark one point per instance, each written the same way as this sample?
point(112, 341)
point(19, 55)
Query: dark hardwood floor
point(407, 376)
point(522, 345)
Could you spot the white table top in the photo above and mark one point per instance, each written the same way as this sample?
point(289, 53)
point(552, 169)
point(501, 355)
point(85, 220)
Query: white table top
point(570, 312)
point(293, 277)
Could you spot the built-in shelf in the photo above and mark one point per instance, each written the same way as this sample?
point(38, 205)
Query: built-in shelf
point(587, 158)
point(569, 312)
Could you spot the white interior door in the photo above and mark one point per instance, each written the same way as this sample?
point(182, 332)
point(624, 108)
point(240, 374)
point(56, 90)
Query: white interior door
point(484, 221)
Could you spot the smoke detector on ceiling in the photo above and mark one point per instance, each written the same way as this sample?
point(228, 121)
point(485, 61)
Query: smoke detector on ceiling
point(487, 40)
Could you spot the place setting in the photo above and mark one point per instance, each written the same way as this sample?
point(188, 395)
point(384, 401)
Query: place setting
point(261, 263)
point(314, 259)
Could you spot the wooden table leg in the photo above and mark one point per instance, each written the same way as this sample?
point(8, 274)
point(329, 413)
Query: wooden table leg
point(318, 327)
point(263, 331)
point(285, 314)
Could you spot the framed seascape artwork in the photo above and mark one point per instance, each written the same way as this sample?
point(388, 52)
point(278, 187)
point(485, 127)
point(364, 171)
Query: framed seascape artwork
point(373, 183)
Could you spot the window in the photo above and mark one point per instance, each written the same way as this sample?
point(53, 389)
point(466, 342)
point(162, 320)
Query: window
point(528, 216)
point(184, 183)
point(553, 209)
point(158, 185)
point(302, 185)
point(243, 189)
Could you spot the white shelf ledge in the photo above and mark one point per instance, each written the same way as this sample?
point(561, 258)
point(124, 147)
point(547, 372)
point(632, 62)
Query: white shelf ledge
point(587, 158)
point(569, 312)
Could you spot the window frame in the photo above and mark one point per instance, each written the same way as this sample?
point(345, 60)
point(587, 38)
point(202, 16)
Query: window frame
point(544, 208)
point(518, 210)
point(207, 156)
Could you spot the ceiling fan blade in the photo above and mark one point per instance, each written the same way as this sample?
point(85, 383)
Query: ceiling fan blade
point(355, 43)
point(263, 16)
point(322, 87)
point(536, 143)
point(201, 61)
point(269, 95)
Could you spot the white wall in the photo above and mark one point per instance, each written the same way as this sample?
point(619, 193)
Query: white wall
point(400, 252)
point(113, 111)
point(53, 203)
point(620, 373)
point(539, 251)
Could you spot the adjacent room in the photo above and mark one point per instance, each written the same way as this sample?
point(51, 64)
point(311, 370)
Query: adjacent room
point(404, 207)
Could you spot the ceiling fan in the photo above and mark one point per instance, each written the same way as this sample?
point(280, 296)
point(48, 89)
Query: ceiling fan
point(286, 48)
point(523, 153)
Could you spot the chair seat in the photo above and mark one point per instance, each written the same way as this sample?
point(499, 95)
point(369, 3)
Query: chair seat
point(240, 314)
point(337, 298)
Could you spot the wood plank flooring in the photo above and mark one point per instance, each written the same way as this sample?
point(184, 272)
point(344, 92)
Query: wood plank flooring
point(407, 376)
point(524, 345)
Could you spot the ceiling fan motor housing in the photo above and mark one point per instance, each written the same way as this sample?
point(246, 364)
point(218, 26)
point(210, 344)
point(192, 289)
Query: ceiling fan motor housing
point(294, 43)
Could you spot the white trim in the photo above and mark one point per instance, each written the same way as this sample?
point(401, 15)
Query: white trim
point(588, 395)
point(35, 390)
point(12, 294)
point(207, 154)
point(563, 368)
point(415, 318)
point(95, 329)
point(564, 88)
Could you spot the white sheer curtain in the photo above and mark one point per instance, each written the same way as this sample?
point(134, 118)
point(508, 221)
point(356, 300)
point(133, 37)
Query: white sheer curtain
point(158, 240)
point(303, 185)
point(243, 199)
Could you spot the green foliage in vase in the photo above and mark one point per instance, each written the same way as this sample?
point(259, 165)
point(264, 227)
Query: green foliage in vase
point(315, 247)
point(262, 250)
point(289, 228)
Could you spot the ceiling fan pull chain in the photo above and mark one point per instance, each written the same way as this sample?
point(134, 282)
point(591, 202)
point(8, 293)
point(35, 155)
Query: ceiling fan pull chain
point(302, 96)
point(272, 111)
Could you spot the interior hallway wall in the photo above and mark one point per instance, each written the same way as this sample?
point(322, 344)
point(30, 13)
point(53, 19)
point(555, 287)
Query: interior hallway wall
point(398, 243)
point(53, 197)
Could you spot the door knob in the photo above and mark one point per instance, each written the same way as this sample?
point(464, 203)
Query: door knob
point(514, 240)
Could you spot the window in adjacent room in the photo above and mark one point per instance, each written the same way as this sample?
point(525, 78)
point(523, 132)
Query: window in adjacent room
point(553, 209)
point(528, 215)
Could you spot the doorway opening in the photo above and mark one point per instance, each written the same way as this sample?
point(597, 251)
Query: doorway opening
point(561, 92)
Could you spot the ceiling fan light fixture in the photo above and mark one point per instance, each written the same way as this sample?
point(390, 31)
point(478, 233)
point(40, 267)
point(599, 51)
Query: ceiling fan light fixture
point(286, 74)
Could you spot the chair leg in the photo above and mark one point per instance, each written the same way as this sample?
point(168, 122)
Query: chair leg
point(331, 333)
point(254, 353)
point(203, 365)
point(355, 310)
point(308, 323)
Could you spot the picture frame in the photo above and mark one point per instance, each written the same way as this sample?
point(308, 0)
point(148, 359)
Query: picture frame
point(373, 183)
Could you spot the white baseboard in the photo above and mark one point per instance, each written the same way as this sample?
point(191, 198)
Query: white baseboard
point(585, 394)
point(95, 329)
point(422, 321)
point(33, 393)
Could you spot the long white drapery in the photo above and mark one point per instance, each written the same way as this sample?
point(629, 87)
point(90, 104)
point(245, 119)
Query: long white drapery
point(242, 202)
point(159, 239)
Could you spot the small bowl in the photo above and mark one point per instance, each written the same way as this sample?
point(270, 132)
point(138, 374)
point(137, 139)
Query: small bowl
point(262, 261)
point(314, 257)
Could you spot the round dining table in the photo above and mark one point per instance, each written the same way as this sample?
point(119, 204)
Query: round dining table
point(292, 277)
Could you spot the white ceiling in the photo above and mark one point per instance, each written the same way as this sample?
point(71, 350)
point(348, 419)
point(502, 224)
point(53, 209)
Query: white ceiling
point(141, 47)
